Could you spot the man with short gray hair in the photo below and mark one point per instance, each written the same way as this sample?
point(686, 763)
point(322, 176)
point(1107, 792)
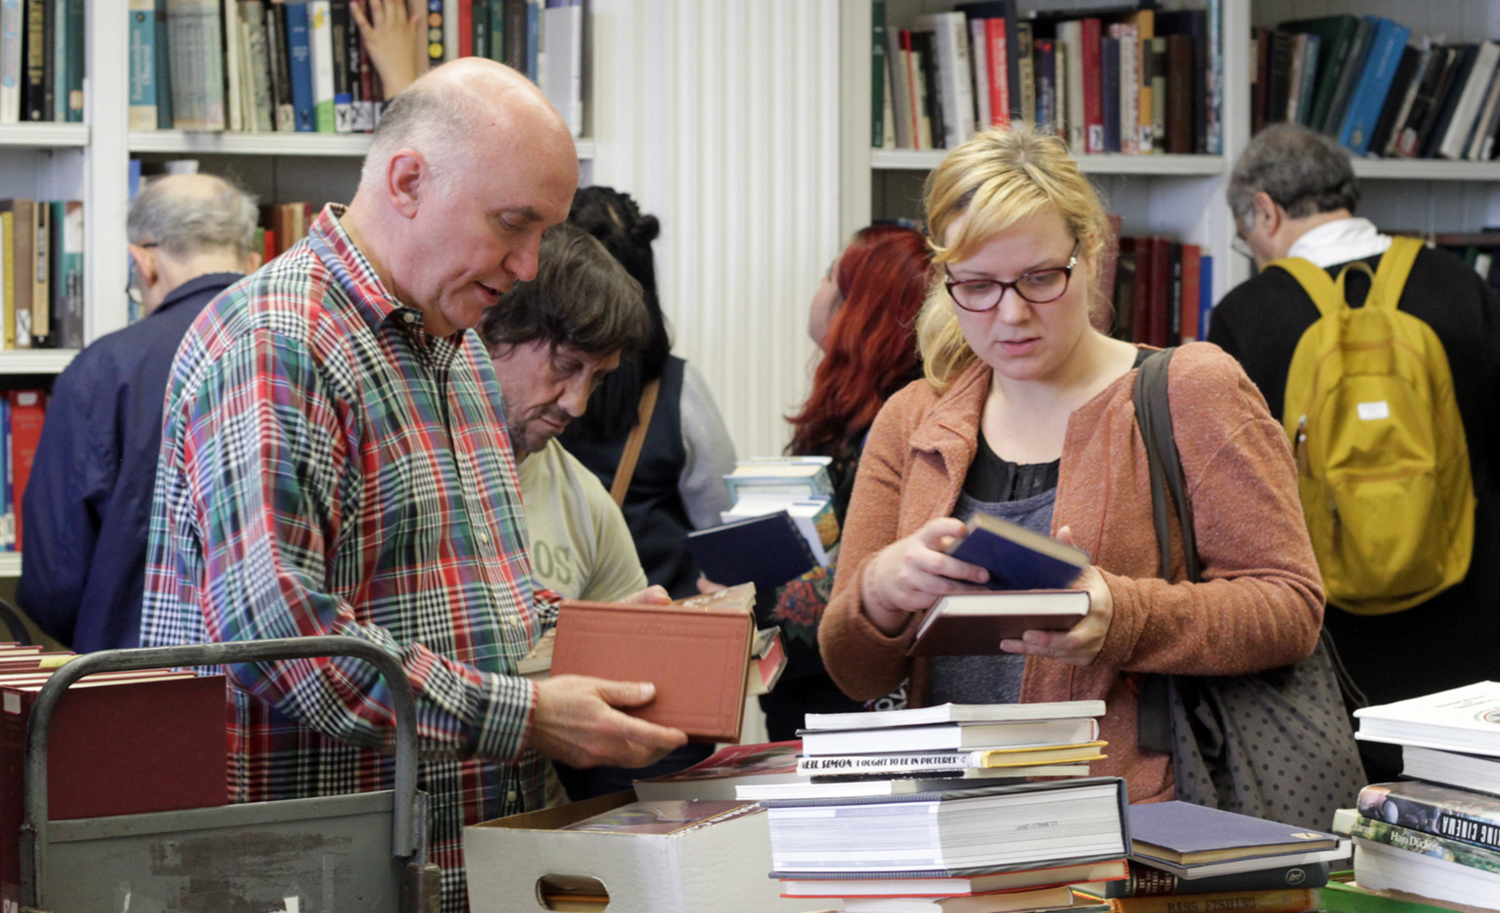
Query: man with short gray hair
point(88, 502)
point(1293, 194)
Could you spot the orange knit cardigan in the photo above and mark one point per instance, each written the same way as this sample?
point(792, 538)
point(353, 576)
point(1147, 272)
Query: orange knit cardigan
point(1260, 604)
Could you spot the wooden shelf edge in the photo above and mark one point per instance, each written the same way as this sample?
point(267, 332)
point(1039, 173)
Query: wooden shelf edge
point(1158, 165)
point(35, 361)
point(350, 145)
point(44, 136)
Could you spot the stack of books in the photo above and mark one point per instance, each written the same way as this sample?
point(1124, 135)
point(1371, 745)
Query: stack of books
point(1437, 836)
point(930, 809)
point(1189, 858)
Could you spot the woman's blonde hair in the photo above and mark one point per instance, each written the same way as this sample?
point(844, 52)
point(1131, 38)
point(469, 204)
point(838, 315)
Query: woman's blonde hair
point(999, 177)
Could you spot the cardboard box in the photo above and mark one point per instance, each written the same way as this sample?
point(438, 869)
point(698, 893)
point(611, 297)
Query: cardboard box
point(721, 867)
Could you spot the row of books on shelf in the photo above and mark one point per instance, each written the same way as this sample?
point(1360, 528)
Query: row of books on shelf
point(163, 733)
point(41, 273)
point(1137, 81)
point(22, 412)
point(41, 61)
point(1162, 291)
point(1364, 82)
point(261, 67)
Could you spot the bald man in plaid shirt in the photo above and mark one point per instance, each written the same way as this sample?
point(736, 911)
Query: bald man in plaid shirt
point(335, 461)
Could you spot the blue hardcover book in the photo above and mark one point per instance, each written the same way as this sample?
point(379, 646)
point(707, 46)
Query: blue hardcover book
point(767, 551)
point(1180, 835)
point(301, 67)
point(1109, 78)
point(1016, 557)
point(1369, 94)
point(1205, 294)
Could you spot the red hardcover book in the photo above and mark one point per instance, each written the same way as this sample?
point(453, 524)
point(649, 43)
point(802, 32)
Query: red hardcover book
point(466, 28)
point(27, 409)
point(142, 742)
point(998, 59)
point(1159, 311)
point(1192, 270)
point(1093, 86)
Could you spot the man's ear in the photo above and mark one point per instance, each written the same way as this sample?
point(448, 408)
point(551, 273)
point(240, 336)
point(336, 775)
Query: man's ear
point(146, 272)
point(408, 176)
point(1267, 212)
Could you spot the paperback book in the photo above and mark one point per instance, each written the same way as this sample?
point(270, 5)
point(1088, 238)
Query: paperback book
point(951, 736)
point(1455, 813)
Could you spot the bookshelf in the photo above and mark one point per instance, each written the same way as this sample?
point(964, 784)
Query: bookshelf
point(1183, 196)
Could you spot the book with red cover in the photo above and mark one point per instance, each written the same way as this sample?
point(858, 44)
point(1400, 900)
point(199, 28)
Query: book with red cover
point(997, 61)
point(136, 743)
point(698, 658)
point(1192, 290)
point(27, 410)
point(1180, 121)
point(1159, 307)
point(1093, 85)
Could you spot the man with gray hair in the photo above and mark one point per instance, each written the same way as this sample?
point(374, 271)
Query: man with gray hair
point(1293, 194)
point(333, 463)
point(89, 499)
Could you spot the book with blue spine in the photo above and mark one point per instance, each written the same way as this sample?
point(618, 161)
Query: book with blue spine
point(163, 70)
point(300, 59)
point(1388, 41)
point(1016, 557)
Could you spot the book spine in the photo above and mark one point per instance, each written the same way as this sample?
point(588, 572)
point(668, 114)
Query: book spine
point(1145, 881)
point(919, 762)
point(41, 290)
point(23, 245)
point(980, 52)
point(998, 67)
point(436, 50)
point(299, 67)
point(1093, 84)
point(1026, 66)
point(276, 29)
point(142, 64)
point(1416, 841)
point(320, 54)
point(1473, 821)
point(259, 62)
point(7, 445)
point(233, 70)
point(10, 61)
point(1109, 89)
point(898, 55)
point(8, 277)
point(72, 272)
point(1369, 96)
point(33, 93)
point(1354, 68)
point(339, 24)
point(1448, 101)
point(1046, 85)
point(878, 41)
point(479, 27)
point(1299, 900)
point(1130, 91)
point(163, 69)
point(1471, 95)
point(27, 410)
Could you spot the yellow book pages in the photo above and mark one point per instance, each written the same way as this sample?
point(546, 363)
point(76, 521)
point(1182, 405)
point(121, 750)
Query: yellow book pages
point(1052, 754)
point(1298, 900)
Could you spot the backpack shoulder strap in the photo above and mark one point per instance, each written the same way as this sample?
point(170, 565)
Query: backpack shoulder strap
point(1395, 266)
point(1153, 414)
point(1315, 281)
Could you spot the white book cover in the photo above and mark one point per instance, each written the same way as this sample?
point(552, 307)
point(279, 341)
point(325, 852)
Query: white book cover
point(195, 41)
point(562, 80)
point(900, 86)
point(450, 30)
point(1460, 719)
point(1467, 109)
point(232, 66)
point(956, 713)
point(1130, 89)
point(977, 47)
point(1070, 34)
point(10, 61)
point(955, 84)
point(1451, 768)
point(1484, 123)
point(951, 737)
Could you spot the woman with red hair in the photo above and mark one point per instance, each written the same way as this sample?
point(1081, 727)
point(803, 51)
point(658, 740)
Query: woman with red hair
point(863, 317)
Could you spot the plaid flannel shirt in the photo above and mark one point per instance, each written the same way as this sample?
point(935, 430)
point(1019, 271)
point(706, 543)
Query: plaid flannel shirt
point(328, 467)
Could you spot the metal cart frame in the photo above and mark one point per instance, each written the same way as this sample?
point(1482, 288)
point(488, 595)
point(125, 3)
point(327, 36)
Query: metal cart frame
point(420, 879)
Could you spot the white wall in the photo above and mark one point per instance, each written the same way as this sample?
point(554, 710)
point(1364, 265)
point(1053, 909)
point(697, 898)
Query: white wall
point(722, 120)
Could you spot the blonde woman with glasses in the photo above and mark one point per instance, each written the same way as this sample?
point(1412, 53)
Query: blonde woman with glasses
point(1025, 413)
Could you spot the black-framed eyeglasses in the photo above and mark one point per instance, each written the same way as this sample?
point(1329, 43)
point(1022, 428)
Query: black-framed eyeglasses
point(1040, 286)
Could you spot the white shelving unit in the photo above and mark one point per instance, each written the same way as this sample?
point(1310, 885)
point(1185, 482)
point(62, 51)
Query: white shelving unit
point(1183, 196)
point(91, 162)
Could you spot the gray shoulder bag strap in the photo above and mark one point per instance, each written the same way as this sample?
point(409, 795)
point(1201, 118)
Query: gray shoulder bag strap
point(1277, 744)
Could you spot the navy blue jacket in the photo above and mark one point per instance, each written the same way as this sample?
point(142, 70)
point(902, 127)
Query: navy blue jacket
point(87, 505)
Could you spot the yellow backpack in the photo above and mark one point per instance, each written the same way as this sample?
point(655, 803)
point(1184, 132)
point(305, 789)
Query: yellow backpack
point(1382, 462)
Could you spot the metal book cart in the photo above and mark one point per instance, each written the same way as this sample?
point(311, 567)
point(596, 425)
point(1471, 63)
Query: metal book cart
point(351, 854)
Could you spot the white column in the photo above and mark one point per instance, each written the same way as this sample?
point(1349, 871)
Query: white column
point(721, 117)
